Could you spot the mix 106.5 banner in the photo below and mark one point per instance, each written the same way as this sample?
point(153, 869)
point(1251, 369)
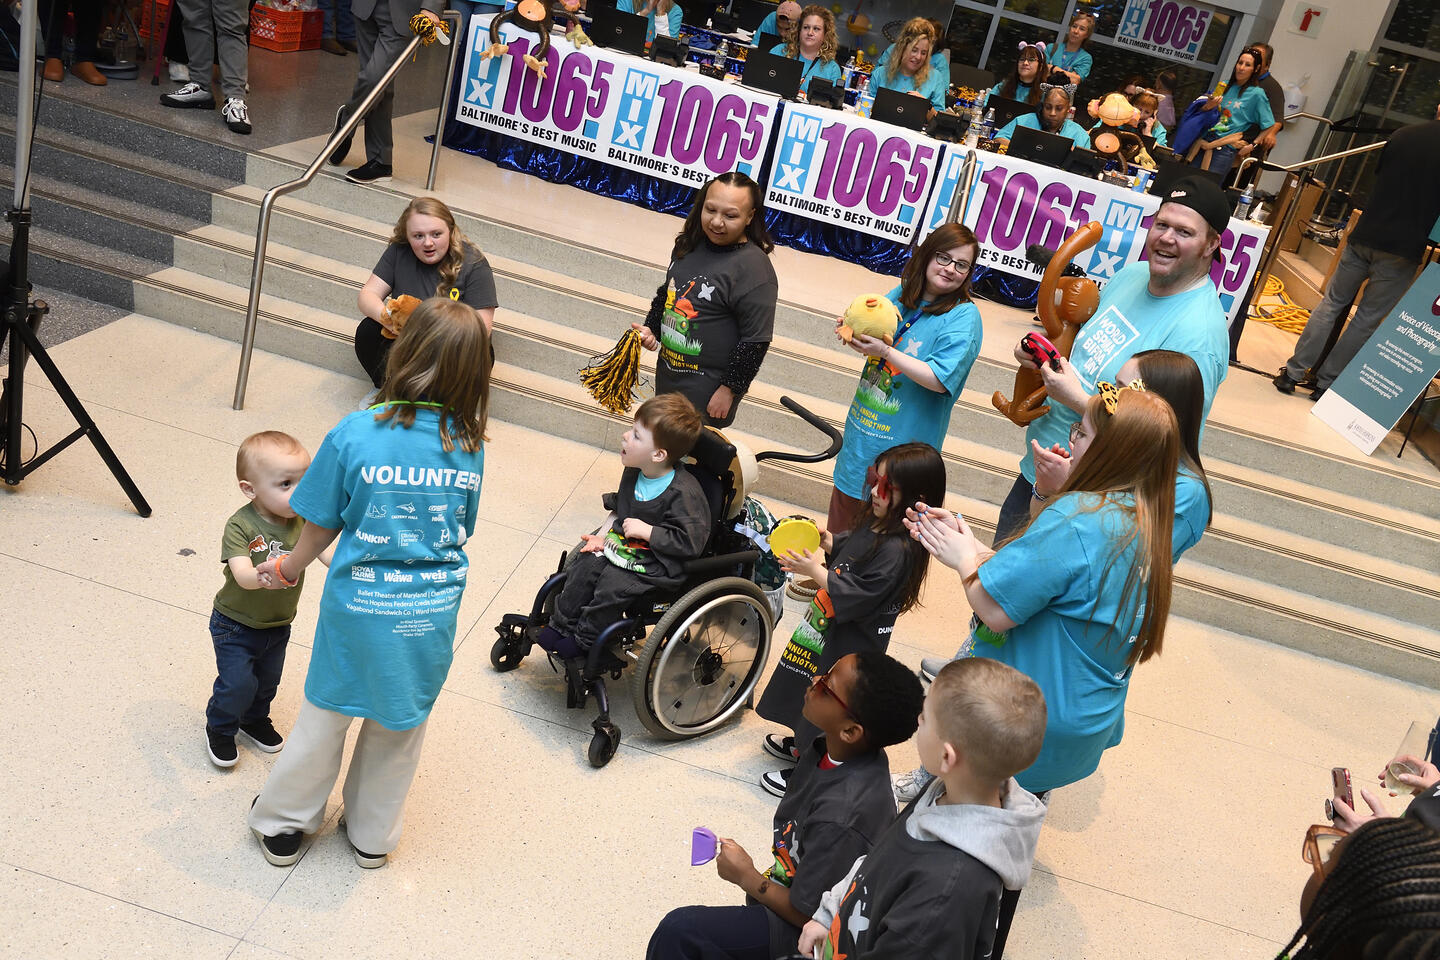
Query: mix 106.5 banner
point(1015, 203)
point(628, 112)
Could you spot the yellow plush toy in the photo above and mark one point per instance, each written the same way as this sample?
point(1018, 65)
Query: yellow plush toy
point(870, 315)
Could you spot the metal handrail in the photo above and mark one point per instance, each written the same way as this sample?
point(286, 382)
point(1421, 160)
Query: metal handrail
point(1282, 223)
point(960, 199)
point(262, 230)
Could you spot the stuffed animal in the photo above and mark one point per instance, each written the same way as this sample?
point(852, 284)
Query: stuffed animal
point(1064, 304)
point(531, 15)
point(574, 32)
point(870, 315)
point(1119, 137)
point(397, 311)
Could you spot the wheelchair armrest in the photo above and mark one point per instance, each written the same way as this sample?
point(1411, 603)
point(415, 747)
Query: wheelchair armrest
point(719, 562)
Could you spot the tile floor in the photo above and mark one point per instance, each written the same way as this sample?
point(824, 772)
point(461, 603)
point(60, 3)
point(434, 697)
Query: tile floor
point(119, 839)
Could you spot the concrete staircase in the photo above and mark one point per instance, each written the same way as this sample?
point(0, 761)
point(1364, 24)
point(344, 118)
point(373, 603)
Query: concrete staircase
point(1307, 549)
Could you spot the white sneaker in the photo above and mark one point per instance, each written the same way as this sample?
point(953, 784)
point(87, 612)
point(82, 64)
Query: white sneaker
point(910, 785)
point(190, 95)
point(179, 72)
point(237, 117)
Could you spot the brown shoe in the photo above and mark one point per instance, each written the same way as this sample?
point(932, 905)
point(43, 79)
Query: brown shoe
point(86, 71)
point(331, 45)
point(54, 70)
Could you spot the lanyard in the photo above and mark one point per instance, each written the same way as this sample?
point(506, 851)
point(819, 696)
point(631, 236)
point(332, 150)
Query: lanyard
point(413, 403)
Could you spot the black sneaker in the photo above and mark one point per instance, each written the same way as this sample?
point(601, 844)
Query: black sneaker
point(337, 156)
point(190, 95)
point(221, 748)
point(282, 849)
point(781, 748)
point(372, 172)
point(1283, 383)
point(1317, 393)
point(263, 735)
point(775, 781)
point(369, 861)
point(237, 115)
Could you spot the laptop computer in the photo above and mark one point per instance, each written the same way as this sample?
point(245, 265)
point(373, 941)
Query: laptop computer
point(696, 12)
point(772, 73)
point(964, 75)
point(902, 109)
point(1006, 109)
point(1085, 163)
point(1038, 146)
point(619, 31)
point(766, 41)
point(749, 13)
point(1167, 173)
point(722, 22)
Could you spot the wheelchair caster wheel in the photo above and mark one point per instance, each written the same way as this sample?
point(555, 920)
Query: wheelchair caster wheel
point(603, 745)
point(503, 655)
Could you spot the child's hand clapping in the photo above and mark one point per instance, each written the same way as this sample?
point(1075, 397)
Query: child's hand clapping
point(806, 563)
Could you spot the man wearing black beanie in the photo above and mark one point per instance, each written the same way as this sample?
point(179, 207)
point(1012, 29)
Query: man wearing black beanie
point(1164, 302)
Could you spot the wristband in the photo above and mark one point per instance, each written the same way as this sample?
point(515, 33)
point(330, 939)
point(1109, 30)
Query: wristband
point(1035, 492)
point(279, 572)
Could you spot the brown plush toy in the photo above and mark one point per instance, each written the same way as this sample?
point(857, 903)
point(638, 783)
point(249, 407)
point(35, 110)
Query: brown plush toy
point(870, 315)
point(397, 311)
point(1063, 305)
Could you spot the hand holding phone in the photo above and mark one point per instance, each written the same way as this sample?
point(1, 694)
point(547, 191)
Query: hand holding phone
point(1340, 790)
point(1041, 350)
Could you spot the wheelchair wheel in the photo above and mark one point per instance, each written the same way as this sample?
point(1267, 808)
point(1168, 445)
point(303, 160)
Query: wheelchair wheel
point(603, 745)
point(700, 663)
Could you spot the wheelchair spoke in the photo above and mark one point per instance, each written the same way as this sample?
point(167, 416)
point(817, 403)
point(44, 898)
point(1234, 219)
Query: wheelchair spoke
point(699, 676)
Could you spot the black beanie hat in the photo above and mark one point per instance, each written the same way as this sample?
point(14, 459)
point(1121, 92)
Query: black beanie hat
point(1204, 197)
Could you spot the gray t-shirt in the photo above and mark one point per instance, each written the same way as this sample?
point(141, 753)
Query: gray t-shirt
point(404, 273)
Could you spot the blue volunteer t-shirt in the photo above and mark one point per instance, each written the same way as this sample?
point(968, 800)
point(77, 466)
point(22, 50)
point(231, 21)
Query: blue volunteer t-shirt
point(812, 69)
point(1052, 583)
point(1022, 92)
point(404, 507)
point(1192, 513)
point(1129, 320)
point(890, 409)
point(935, 84)
point(1076, 61)
point(1240, 109)
point(1069, 128)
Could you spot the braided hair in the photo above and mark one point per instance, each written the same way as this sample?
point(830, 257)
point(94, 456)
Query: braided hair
point(1381, 900)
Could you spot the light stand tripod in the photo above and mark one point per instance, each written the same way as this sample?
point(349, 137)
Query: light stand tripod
point(22, 317)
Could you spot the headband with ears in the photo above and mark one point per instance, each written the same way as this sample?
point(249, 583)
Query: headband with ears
point(1067, 88)
point(1037, 46)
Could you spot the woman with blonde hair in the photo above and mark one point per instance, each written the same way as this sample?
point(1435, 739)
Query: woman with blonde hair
point(907, 67)
point(664, 16)
point(814, 45)
point(428, 256)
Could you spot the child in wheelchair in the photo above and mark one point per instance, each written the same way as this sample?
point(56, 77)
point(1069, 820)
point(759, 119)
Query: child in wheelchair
point(662, 519)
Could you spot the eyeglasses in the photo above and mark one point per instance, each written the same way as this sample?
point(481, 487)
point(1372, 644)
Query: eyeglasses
point(880, 483)
point(822, 680)
point(945, 260)
point(1320, 841)
point(1077, 432)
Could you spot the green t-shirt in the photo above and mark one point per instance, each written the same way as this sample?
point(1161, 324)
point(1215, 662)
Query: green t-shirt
point(247, 534)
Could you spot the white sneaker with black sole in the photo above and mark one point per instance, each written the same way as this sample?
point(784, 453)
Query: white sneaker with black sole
point(372, 171)
point(190, 95)
point(237, 117)
point(775, 781)
point(930, 666)
point(781, 748)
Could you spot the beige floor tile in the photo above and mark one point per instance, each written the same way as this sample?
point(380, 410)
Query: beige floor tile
point(50, 918)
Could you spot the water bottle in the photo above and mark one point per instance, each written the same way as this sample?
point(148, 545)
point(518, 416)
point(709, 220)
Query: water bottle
point(722, 55)
point(987, 126)
point(1246, 201)
point(972, 128)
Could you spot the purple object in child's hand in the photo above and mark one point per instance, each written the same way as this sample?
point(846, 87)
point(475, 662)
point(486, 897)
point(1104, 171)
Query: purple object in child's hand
point(703, 846)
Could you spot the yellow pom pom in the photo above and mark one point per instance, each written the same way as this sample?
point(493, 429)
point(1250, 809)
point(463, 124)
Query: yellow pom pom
point(611, 378)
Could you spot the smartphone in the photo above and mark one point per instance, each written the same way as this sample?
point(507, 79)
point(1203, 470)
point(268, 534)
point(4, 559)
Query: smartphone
point(1340, 789)
point(1041, 350)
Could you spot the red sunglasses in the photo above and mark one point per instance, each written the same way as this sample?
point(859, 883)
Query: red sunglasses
point(822, 680)
point(880, 484)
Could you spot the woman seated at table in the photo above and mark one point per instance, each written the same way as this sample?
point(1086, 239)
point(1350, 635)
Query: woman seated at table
point(814, 45)
point(664, 16)
point(907, 67)
point(1024, 81)
point(1244, 115)
point(1052, 116)
point(1149, 104)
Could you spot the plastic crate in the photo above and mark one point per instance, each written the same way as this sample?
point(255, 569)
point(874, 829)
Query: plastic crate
point(286, 30)
point(162, 16)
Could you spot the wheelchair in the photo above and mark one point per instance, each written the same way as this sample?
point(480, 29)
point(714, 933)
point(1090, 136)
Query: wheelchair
point(698, 648)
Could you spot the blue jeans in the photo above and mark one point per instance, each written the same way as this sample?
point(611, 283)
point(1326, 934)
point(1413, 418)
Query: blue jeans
point(248, 663)
point(339, 22)
point(1221, 159)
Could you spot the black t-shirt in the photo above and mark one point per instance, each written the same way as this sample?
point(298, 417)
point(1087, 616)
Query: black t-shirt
point(724, 296)
point(475, 283)
point(1276, 95)
point(825, 822)
point(918, 899)
point(855, 612)
point(1405, 201)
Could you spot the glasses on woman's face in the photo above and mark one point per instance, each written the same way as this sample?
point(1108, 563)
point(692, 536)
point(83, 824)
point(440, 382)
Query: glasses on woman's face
point(1077, 432)
point(880, 483)
point(822, 680)
point(943, 259)
point(1320, 841)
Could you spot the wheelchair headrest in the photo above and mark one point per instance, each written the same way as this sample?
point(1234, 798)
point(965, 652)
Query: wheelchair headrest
point(713, 458)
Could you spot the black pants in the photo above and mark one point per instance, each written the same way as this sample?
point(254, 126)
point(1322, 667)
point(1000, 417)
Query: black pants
point(1015, 510)
point(372, 349)
point(595, 594)
point(713, 933)
point(87, 27)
